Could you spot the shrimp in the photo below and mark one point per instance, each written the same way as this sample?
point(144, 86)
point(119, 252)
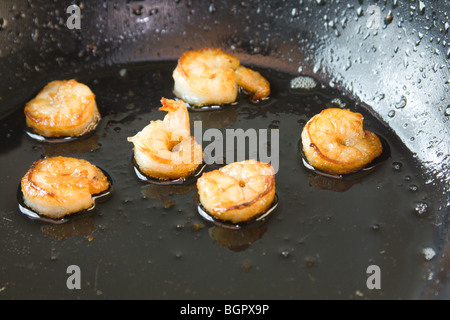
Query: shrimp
point(210, 76)
point(165, 149)
point(253, 82)
point(335, 142)
point(63, 109)
point(60, 186)
point(238, 192)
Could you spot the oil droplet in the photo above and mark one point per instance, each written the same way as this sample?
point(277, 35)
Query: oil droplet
point(397, 166)
point(338, 103)
point(179, 226)
point(53, 255)
point(428, 253)
point(421, 208)
point(391, 114)
point(303, 82)
point(285, 254)
point(413, 188)
point(3, 23)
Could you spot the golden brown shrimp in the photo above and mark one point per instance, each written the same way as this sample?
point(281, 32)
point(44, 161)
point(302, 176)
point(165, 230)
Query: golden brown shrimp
point(60, 186)
point(165, 149)
point(253, 82)
point(334, 141)
point(63, 109)
point(239, 191)
point(210, 76)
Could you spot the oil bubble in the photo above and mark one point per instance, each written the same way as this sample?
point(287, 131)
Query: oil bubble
point(303, 82)
point(428, 254)
point(3, 23)
point(421, 208)
point(284, 253)
point(376, 227)
point(397, 166)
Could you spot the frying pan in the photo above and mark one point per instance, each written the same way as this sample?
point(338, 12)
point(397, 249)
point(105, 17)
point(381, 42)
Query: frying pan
point(385, 59)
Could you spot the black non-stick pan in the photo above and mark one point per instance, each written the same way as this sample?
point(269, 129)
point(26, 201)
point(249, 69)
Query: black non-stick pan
point(378, 235)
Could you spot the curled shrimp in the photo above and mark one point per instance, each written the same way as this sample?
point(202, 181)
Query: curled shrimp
point(253, 82)
point(238, 192)
point(63, 109)
point(335, 142)
point(210, 76)
point(60, 186)
point(165, 149)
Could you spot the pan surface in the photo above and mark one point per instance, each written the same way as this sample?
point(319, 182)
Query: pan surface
point(148, 241)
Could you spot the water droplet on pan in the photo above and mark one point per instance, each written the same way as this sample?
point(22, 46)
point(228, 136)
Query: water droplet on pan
point(402, 103)
point(421, 7)
point(360, 12)
point(447, 111)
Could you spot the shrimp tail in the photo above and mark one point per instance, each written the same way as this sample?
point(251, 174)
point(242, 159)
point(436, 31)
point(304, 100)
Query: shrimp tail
point(171, 105)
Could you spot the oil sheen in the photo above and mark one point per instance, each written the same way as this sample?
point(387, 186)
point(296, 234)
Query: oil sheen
point(149, 241)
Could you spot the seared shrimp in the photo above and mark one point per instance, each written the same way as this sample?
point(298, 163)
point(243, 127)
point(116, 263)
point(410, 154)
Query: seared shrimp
point(253, 82)
point(60, 186)
point(239, 191)
point(63, 109)
point(210, 76)
point(334, 141)
point(165, 149)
